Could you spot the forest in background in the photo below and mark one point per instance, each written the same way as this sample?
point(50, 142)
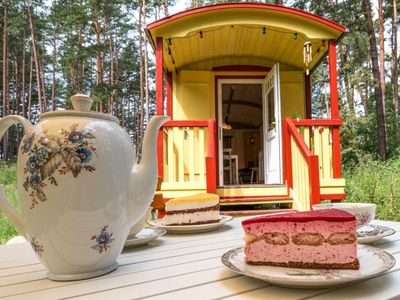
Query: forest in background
point(54, 49)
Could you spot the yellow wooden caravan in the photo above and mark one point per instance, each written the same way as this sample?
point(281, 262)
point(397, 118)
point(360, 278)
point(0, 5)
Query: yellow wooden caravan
point(238, 91)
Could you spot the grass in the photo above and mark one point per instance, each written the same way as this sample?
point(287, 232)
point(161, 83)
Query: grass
point(8, 175)
point(376, 182)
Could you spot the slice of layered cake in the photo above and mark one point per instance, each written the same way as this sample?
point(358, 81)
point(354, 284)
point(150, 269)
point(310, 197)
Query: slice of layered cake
point(322, 239)
point(196, 209)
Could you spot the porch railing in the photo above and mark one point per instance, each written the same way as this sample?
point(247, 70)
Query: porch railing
point(321, 137)
point(188, 155)
point(301, 168)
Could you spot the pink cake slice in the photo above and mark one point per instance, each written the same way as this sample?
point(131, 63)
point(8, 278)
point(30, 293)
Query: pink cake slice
point(321, 239)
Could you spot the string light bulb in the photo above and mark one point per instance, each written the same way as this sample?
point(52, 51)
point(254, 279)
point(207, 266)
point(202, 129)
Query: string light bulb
point(201, 34)
point(264, 31)
point(295, 36)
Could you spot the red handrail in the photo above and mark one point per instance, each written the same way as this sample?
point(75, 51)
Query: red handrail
point(317, 122)
point(186, 123)
point(211, 160)
point(290, 130)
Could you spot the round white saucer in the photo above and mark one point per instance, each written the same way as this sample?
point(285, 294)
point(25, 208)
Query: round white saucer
point(191, 228)
point(371, 233)
point(144, 236)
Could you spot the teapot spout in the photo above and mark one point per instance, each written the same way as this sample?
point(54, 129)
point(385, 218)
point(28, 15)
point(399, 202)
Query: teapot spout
point(143, 178)
point(149, 147)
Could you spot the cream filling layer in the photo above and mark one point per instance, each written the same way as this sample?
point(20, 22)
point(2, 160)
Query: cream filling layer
point(196, 217)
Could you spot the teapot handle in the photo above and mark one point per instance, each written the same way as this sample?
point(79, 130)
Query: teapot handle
point(5, 205)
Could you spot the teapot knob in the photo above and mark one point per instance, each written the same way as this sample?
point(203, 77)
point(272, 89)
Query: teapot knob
point(81, 102)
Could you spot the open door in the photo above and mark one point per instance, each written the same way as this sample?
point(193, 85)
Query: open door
point(272, 127)
point(241, 130)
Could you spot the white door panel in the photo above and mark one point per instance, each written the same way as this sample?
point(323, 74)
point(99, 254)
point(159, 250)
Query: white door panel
point(272, 127)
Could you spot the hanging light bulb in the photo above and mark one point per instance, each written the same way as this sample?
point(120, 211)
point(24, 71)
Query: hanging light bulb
point(295, 36)
point(201, 34)
point(307, 55)
point(264, 31)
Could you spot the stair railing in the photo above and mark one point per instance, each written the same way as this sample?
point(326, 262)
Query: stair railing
point(301, 168)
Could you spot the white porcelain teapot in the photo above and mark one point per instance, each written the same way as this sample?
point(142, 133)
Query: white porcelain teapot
point(79, 187)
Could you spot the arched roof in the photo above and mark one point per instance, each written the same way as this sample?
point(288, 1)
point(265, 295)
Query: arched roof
point(242, 34)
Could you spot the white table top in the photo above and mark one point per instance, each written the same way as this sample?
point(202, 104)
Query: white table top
point(181, 266)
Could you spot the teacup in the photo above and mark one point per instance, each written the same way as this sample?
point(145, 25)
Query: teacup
point(364, 212)
point(135, 229)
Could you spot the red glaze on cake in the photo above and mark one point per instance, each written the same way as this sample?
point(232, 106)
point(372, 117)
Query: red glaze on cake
point(324, 239)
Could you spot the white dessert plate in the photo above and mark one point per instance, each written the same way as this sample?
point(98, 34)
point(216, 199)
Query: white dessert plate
point(144, 236)
point(191, 228)
point(373, 261)
point(371, 233)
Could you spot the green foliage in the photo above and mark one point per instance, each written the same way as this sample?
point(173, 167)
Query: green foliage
point(9, 183)
point(376, 182)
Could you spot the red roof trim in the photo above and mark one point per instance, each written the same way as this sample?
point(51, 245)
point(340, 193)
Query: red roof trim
point(288, 10)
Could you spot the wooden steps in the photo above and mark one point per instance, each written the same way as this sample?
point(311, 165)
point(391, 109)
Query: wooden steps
point(238, 213)
point(253, 200)
point(240, 206)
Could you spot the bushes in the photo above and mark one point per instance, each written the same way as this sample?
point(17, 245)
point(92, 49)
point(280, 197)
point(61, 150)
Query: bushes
point(376, 182)
point(8, 176)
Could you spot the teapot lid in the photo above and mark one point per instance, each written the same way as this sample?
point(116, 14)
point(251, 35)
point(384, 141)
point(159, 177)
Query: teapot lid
point(81, 104)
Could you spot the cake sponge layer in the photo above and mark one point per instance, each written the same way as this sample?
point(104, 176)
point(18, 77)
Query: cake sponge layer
point(192, 202)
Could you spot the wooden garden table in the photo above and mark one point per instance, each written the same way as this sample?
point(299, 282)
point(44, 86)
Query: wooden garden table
point(181, 266)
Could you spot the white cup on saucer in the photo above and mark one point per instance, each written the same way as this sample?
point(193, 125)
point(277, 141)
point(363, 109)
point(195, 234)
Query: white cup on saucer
point(135, 229)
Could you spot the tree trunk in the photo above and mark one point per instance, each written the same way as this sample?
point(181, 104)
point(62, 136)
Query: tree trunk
point(381, 31)
point(345, 58)
point(30, 89)
point(23, 79)
point(166, 13)
point(17, 88)
point(395, 71)
point(17, 130)
point(43, 62)
point(53, 86)
point(36, 56)
point(195, 3)
point(363, 91)
point(111, 80)
point(99, 57)
point(142, 75)
point(145, 61)
point(380, 116)
point(80, 67)
point(5, 76)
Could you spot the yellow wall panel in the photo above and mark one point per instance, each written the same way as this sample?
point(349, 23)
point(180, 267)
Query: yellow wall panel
point(292, 94)
point(192, 99)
